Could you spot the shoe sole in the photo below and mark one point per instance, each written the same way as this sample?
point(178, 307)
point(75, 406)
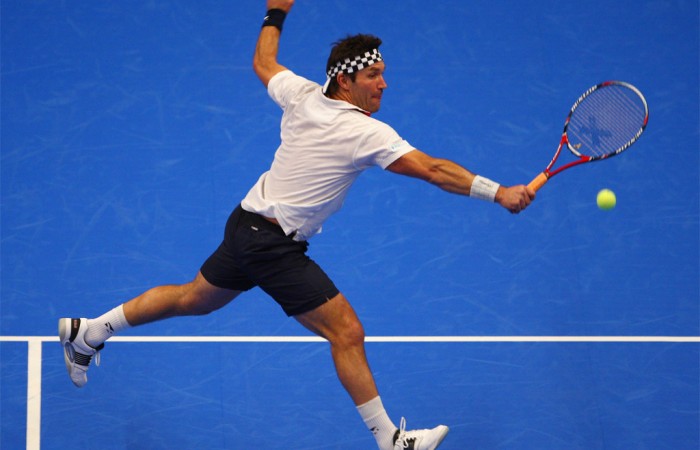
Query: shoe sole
point(64, 336)
point(64, 333)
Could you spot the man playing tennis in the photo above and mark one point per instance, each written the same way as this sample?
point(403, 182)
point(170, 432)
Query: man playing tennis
point(328, 139)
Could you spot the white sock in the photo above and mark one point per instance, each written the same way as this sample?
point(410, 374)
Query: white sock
point(378, 422)
point(105, 326)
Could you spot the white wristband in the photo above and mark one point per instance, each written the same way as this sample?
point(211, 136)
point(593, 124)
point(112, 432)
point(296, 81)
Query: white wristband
point(484, 189)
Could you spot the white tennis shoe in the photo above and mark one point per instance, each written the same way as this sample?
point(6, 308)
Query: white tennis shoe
point(419, 439)
point(76, 352)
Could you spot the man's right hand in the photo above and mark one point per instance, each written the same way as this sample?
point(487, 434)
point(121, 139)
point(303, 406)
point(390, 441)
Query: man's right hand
point(515, 198)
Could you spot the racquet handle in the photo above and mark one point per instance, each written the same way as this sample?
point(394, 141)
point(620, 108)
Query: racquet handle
point(538, 182)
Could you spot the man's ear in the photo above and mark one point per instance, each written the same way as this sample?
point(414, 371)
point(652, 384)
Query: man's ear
point(343, 80)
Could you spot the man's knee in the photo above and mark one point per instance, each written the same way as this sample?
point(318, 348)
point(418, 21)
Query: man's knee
point(353, 333)
point(348, 330)
point(336, 321)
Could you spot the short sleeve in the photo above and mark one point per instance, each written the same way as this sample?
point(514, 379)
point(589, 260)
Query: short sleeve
point(286, 85)
point(381, 147)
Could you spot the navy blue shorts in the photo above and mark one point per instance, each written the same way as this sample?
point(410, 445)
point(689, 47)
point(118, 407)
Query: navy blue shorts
point(256, 252)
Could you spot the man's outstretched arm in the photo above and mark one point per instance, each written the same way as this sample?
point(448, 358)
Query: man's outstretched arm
point(265, 62)
point(452, 177)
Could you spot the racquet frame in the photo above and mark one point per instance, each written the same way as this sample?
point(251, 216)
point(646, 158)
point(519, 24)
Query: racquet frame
point(542, 178)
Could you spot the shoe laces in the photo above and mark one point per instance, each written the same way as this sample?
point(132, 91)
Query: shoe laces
point(96, 356)
point(404, 439)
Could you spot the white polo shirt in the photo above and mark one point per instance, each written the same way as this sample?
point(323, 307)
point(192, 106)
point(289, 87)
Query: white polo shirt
point(325, 146)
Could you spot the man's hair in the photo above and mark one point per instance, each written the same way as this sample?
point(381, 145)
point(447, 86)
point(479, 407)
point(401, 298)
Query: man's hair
point(349, 48)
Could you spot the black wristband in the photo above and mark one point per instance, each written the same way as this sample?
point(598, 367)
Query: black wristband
point(274, 18)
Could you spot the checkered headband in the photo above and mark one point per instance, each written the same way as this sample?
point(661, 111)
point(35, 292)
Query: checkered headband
point(353, 65)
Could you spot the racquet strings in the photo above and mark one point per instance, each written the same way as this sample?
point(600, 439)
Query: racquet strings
point(607, 120)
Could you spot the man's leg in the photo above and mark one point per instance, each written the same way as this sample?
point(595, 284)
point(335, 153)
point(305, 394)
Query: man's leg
point(337, 322)
point(83, 338)
point(197, 297)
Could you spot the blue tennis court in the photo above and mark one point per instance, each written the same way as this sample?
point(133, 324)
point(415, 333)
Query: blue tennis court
point(130, 130)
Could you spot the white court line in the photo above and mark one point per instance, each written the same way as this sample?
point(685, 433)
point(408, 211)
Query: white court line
point(34, 394)
point(448, 339)
point(34, 355)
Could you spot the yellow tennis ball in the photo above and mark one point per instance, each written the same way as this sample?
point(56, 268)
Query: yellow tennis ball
point(606, 199)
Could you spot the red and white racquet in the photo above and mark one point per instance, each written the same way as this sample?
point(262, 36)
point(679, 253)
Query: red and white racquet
point(605, 121)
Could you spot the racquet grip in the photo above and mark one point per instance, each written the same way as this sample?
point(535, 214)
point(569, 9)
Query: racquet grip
point(538, 182)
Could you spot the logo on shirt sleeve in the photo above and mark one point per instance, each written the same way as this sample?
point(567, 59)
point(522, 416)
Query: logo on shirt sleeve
point(398, 146)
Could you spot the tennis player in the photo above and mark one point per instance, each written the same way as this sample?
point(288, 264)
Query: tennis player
point(328, 138)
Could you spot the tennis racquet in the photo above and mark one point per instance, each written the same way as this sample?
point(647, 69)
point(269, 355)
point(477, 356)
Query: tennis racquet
point(605, 121)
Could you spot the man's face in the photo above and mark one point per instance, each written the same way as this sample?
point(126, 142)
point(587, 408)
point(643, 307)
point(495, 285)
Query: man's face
point(368, 87)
